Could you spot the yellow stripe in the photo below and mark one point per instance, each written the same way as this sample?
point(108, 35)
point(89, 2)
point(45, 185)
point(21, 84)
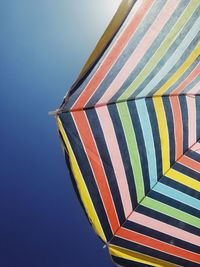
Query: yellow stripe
point(183, 179)
point(163, 131)
point(84, 194)
point(138, 257)
point(195, 53)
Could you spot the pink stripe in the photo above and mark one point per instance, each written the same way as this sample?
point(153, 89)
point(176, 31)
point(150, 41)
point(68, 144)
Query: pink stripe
point(87, 139)
point(164, 228)
point(187, 81)
point(138, 12)
point(191, 103)
point(139, 52)
point(196, 148)
point(113, 148)
point(195, 89)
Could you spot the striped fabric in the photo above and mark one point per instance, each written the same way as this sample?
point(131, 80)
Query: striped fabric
point(131, 130)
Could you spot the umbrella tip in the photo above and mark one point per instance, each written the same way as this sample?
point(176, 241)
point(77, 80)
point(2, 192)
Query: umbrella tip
point(106, 245)
point(53, 113)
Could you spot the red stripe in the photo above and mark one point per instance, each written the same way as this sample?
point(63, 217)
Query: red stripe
point(178, 126)
point(187, 81)
point(112, 57)
point(190, 163)
point(91, 150)
point(158, 245)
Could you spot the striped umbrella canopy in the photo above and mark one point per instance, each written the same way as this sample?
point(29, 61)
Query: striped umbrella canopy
point(130, 128)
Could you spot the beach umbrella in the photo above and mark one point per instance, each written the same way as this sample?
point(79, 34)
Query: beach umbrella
point(130, 128)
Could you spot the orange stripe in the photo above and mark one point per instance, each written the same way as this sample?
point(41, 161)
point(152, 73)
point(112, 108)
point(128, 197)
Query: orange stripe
point(190, 163)
point(178, 126)
point(187, 81)
point(158, 245)
point(91, 150)
point(112, 56)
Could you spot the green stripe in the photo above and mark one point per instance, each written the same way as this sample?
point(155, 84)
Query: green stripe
point(132, 148)
point(170, 211)
point(161, 51)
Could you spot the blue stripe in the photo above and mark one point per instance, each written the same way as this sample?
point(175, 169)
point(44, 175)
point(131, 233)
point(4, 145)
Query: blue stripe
point(177, 195)
point(148, 139)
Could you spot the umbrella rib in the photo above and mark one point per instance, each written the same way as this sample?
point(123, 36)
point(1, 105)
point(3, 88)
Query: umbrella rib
point(151, 190)
point(61, 109)
point(115, 233)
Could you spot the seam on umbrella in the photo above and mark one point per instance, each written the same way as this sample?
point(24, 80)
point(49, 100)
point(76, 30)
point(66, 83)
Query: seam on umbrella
point(115, 234)
point(60, 110)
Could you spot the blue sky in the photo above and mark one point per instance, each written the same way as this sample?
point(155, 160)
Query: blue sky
point(43, 46)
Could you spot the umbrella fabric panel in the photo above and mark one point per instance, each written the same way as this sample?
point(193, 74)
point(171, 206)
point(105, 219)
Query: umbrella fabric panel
point(88, 190)
point(104, 136)
point(166, 224)
point(155, 52)
point(131, 129)
point(170, 205)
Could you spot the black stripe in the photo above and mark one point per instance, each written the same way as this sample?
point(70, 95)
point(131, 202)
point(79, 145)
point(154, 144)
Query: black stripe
point(74, 90)
point(180, 187)
point(106, 160)
point(179, 38)
point(73, 180)
point(191, 84)
point(181, 60)
point(140, 143)
point(187, 171)
point(156, 134)
point(124, 152)
point(152, 252)
point(167, 219)
point(151, 51)
point(174, 203)
point(160, 236)
point(182, 77)
point(86, 171)
point(131, 46)
point(193, 155)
